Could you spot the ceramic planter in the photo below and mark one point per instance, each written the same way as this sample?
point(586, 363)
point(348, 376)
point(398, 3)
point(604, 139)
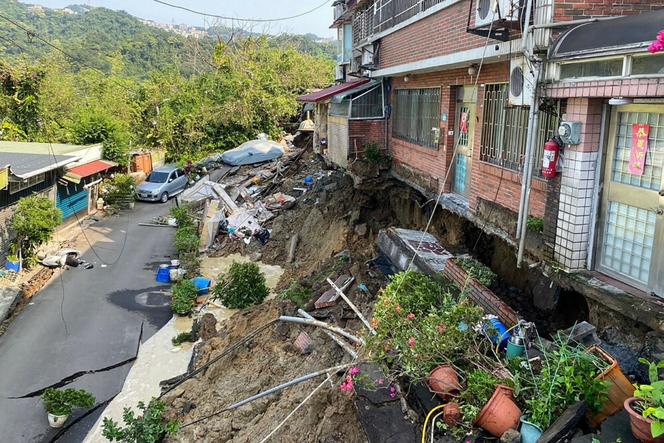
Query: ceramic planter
point(57, 421)
point(639, 424)
point(530, 432)
point(444, 381)
point(452, 414)
point(620, 388)
point(500, 413)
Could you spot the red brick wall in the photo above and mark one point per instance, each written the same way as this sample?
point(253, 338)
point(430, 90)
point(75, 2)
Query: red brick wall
point(486, 180)
point(438, 34)
point(361, 132)
point(565, 10)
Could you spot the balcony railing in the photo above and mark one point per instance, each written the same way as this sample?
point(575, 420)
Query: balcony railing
point(381, 15)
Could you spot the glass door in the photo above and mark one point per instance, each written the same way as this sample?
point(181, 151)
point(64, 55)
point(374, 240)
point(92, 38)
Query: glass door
point(465, 128)
point(632, 226)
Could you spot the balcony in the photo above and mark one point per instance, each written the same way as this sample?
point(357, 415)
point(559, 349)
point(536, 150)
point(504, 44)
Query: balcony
point(380, 15)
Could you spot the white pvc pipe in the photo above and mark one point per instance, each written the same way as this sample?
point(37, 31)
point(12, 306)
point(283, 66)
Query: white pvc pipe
point(320, 324)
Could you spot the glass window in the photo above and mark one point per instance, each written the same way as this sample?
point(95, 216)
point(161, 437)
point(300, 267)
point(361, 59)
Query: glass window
point(416, 115)
point(340, 109)
point(368, 104)
point(15, 187)
point(597, 68)
point(648, 64)
point(158, 177)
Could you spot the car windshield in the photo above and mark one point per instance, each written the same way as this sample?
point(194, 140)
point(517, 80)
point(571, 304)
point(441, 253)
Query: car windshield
point(158, 177)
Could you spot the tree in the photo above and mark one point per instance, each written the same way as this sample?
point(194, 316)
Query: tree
point(34, 222)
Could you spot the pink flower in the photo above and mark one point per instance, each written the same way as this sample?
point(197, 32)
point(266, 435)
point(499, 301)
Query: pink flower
point(398, 309)
point(381, 381)
point(393, 391)
point(410, 316)
point(347, 386)
point(656, 46)
point(411, 342)
point(441, 328)
point(660, 35)
point(354, 371)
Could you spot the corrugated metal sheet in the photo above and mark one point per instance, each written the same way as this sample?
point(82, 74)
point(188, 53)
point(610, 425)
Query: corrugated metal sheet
point(72, 199)
point(142, 162)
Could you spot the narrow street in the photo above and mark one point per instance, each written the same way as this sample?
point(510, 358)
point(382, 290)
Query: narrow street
point(96, 325)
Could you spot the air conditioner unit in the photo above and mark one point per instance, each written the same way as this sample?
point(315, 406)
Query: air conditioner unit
point(489, 11)
point(367, 57)
point(522, 82)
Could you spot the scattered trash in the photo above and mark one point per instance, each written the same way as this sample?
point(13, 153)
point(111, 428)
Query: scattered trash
point(304, 343)
point(331, 296)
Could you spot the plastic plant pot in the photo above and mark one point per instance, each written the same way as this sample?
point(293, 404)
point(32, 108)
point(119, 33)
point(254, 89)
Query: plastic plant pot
point(500, 413)
point(530, 432)
point(444, 382)
point(620, 388)
point(639, 424)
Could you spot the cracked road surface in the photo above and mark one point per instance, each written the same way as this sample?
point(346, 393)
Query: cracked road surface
point(103, 310)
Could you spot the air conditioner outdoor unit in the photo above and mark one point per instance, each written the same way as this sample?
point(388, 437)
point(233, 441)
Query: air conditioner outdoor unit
point(489, 11)
point(522, 82)
point(367, 57)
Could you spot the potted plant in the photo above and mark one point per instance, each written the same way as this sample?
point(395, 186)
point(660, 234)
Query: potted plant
point(59, 404)
point(620, 388)
point(444, 382)
point(646, 408)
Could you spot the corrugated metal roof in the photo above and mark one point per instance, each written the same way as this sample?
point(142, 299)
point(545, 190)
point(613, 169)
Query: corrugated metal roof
point(633, 31)
point(42, 148)
point(28, 165)
point(362, 87)
point(77, 173)
point(327, 93)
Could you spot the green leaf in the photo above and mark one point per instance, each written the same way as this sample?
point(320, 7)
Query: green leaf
point(657, 428)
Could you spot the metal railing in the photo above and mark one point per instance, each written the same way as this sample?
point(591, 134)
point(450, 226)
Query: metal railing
point(505, 128)
point(381, 15)
point(416, 116)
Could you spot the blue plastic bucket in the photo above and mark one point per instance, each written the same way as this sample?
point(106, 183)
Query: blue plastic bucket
point(202, 284)
point(530, 432)
point(163, 274)
point(497, 332)
point(13, 266)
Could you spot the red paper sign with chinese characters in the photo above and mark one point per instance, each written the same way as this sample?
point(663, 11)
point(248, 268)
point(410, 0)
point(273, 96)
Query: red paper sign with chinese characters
point(637, 157)
point(464, 123)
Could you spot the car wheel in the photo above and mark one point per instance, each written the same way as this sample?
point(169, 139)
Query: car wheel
point(164, 197)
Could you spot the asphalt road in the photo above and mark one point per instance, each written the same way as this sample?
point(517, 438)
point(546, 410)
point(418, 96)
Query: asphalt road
point(103, 309)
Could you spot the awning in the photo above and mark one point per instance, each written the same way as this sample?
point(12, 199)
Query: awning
point(77, 173)
point(24, 166)
point(363, 87)
point(327, 93)
point(622, 33)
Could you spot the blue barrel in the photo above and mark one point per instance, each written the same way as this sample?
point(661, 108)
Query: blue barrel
point(202, 284)
point(163, 274)
point(497, 332)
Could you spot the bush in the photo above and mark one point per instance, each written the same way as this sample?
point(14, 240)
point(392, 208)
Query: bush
point(190, 262)
point(535, 224)
point(63, 401)
point(186, 239)
point(34, 222)
point(94, 127)
point(119, 189)
point(242, 286)
point(297, 293)
point(182, 215)
point(479, 271)
point(184, 296)
point(147, 428)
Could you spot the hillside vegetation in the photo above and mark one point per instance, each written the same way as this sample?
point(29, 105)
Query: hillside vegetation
point(130, 85)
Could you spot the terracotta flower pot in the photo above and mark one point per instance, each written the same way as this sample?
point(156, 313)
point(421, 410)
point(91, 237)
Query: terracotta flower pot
point(620, 388)
point(452, 414)
point(500, 413)
point(640, 425)
point(444, 381)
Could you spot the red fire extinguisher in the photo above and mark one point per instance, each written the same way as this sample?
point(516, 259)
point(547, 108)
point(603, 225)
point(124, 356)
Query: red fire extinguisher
point(550, 159)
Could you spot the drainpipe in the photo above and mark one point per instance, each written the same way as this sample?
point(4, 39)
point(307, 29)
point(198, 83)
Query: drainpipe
point(597, 189)
point(524, 49)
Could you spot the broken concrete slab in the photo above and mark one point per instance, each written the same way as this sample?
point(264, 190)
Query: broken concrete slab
point(403, 246)
point(304, 343)
point(331, 296)
point(9, 295)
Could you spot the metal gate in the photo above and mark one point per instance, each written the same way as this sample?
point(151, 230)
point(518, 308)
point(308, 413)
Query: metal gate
point(631, 243)
point(72, 199)
point(464, 138)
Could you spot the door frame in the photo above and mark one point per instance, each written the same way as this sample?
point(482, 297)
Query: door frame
point(466, 96)
point(627, 196)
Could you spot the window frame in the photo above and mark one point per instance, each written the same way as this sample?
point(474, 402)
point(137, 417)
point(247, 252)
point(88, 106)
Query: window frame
point(18, 186)
point(417, 108)
point(627, 72)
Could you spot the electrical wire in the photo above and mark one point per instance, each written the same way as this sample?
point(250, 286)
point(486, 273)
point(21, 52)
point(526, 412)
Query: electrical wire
point(426, 420)
point(255, 20)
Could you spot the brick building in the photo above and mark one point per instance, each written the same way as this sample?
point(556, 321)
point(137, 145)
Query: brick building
point(459, 78)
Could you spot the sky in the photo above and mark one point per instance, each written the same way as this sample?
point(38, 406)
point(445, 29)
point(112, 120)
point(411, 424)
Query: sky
point(317, 22)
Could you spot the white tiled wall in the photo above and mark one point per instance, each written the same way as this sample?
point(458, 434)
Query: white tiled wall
point(574, 214)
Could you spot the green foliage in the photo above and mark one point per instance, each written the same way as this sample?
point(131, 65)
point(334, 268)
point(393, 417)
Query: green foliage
point(477, 270)
point(651, 397)
point(63, 401)
point(184, 297)
point(297, 293)
point(479, 388)
point(97, 127)
point(34, 222)
point(182, 215)
point(568, 375)
point(419, 325)
point(535, 224)
point(372, 152)
point(242, 286)
point(119, 190)
point(186, 239)
point(190, 262)
point(183, 337)
point(150, 427)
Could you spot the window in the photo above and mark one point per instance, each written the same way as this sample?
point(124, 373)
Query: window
point(648, 64)
point(596, 68)
point(15, 187)
point(340, 109)
point(505, 129)
point(368, 104)
point(417, 115)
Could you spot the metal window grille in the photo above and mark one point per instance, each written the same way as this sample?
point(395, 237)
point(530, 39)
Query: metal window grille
point(340, 109)
point(505, 129)
point(416, 116)
point(368, 104)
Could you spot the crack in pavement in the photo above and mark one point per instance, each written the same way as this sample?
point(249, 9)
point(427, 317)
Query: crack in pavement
point(71, 378)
